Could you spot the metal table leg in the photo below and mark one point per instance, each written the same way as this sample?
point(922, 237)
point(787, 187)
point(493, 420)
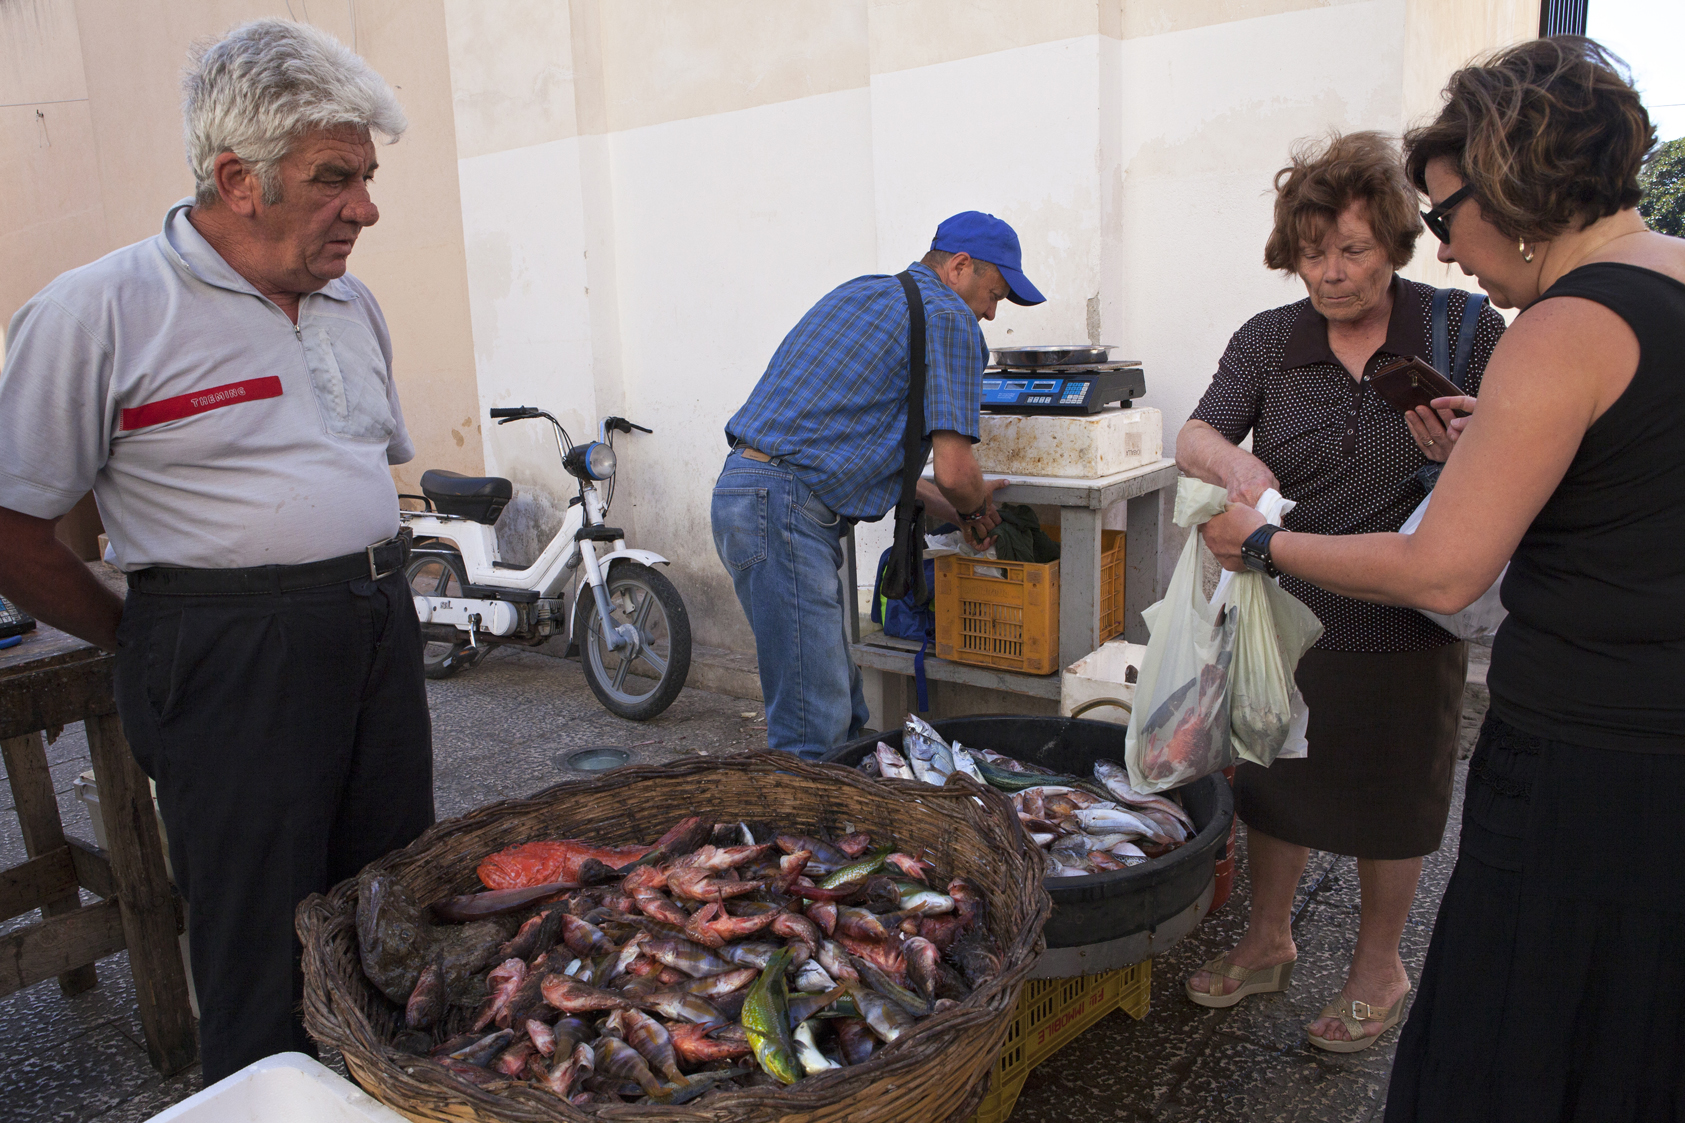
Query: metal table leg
point(1141, 546)
point(1079, 582)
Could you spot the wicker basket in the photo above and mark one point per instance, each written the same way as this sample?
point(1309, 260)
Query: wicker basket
point(937, 1072)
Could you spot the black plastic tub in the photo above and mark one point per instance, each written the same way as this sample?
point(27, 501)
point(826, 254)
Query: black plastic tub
point(1103, 908)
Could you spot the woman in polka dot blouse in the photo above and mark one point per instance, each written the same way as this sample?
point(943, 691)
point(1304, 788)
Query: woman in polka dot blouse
point(1384, 684)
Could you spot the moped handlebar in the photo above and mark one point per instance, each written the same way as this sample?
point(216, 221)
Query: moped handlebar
point(505, 414)
point(621, 425)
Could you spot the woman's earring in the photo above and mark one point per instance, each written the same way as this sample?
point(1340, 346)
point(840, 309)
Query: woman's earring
point(1522, 246)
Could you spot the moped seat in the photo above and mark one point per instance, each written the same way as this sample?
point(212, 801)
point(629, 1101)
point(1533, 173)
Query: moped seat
point(479, 498)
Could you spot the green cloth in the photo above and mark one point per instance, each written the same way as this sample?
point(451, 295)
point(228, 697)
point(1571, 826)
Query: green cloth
point(1020, 538)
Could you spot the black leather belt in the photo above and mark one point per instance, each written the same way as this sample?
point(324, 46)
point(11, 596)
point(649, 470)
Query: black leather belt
point(373, 562)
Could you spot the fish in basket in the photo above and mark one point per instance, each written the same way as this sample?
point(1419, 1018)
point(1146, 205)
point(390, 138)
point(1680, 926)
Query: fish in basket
point(804, 944)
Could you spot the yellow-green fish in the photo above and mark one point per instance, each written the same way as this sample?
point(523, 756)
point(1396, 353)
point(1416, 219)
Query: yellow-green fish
point(855, 871)
point(766, 1019)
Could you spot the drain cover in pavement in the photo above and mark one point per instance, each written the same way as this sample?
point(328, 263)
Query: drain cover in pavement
point(598, 758)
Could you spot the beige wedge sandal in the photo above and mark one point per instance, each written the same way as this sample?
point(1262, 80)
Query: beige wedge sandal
point(1261, 981)
point(1352, 1015)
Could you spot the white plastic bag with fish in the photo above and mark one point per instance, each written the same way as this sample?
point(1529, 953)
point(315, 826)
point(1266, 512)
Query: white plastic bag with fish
point(1480, 618)
point(1179, 726)
point(1273, 630)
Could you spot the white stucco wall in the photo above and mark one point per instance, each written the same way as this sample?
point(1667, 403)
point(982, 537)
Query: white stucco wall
point(653, 192)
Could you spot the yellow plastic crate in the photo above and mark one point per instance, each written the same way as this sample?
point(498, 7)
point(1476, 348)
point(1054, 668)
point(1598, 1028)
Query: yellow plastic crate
point(1110, 608)
point(1006, 614)
point(1051, 1014)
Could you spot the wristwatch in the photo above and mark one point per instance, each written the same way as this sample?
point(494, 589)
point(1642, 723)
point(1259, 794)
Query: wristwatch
point(973, 516)
point(1255, 551)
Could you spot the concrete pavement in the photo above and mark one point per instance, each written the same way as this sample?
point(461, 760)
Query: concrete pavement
point(506, 728)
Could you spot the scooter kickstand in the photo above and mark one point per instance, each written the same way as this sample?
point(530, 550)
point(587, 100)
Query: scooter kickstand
point(473, 629)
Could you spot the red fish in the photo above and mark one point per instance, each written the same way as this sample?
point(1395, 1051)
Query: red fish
point(855, 844)
point(538, 863)
point(713, 927)
point(501, 982)
point(700, 1044)
point(915, 868)
point(824, 914)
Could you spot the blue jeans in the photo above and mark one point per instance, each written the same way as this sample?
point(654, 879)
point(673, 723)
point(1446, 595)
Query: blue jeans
point(782, 546)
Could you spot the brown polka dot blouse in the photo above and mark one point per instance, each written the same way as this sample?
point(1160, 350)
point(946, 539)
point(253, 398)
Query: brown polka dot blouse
point(1337, 447)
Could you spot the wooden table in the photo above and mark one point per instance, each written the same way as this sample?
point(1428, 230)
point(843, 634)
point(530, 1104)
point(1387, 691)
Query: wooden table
point(1082, 505)
point(48, 681)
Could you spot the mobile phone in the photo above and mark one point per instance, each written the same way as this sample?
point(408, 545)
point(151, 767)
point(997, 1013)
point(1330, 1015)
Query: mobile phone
point(1408, 383)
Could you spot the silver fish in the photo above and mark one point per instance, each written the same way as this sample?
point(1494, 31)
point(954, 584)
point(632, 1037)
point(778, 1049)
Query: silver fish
point(812, 977)
point(1117, 820)
point(965, 762)
point(813, 1062)
point(749, 953)
point(885, 1018)
point(892, 764)
point(1127, 853)
point(1115, 777)
point(931, 758)
point(1056, 868)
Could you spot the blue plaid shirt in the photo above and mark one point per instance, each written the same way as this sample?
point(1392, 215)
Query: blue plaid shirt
point(833, 401)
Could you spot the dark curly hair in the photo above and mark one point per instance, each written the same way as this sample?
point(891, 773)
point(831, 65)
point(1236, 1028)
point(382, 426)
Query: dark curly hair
point(1550, 133)
point(1327, 177)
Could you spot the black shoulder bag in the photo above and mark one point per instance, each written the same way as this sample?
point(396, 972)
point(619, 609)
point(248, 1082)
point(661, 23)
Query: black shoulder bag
point(1457, 369)
point(904, 572)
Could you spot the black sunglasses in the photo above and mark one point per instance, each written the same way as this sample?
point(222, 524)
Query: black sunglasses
point(1435, 219)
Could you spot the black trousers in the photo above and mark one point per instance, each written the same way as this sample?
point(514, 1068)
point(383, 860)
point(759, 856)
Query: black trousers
point(291, 744)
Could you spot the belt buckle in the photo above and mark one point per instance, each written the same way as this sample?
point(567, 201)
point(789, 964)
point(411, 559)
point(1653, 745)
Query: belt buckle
point(375, 572)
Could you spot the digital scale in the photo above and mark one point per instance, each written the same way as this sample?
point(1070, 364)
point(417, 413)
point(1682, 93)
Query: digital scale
point(1084, 389)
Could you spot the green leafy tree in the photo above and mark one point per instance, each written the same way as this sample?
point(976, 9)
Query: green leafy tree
point(1663, 183)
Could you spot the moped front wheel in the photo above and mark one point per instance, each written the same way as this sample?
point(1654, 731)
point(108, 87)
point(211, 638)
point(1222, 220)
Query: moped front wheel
point(437, 575)
point(639, 681)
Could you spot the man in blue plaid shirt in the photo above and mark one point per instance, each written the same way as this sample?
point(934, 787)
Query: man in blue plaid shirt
point(818, 446)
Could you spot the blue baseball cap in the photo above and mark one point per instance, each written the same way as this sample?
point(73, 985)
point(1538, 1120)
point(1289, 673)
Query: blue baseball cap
point(987, 238)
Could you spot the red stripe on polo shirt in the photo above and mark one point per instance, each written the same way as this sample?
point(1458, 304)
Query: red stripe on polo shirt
point(201, 401)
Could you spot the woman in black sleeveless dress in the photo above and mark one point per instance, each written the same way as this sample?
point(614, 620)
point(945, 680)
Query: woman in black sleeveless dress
point(1554, 987)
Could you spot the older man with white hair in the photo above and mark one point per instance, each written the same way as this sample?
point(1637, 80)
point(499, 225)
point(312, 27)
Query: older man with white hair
point(226, 390)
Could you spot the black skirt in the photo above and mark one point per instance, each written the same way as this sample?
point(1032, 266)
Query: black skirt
point(1554, 987)
point(1383, 746)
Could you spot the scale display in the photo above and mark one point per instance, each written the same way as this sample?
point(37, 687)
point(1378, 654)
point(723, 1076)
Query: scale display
point(1035, 391)
point(1073, 392)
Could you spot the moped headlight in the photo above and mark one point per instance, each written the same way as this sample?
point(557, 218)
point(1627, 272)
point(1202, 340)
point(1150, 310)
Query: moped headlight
point(594, 461)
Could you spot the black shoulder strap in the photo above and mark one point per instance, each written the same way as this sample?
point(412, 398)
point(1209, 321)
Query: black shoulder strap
point(903, 574)
point(1457, 368)
point(1465, 338)
point(912, 463)
point(1439, 335)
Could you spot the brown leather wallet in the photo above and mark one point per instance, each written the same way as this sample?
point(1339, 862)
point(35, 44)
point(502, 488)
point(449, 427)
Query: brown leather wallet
point(1408, 383)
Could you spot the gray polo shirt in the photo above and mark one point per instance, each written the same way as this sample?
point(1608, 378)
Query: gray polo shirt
point(213, 433)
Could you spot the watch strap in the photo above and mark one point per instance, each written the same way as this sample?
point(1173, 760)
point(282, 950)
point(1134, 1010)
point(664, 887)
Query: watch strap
point(1255, 551)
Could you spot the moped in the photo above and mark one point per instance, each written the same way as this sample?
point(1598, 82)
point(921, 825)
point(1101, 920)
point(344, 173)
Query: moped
point(625, 618)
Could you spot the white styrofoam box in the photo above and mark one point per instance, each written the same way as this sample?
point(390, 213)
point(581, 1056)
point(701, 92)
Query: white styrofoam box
point(1085, 447)
point(87, 790)
point(1101, 674)
point(285, 1088)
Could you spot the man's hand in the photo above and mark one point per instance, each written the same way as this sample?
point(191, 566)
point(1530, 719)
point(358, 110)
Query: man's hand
point(40, 575)
point(962, 485)
point(936, 505)
point(1436, 429)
